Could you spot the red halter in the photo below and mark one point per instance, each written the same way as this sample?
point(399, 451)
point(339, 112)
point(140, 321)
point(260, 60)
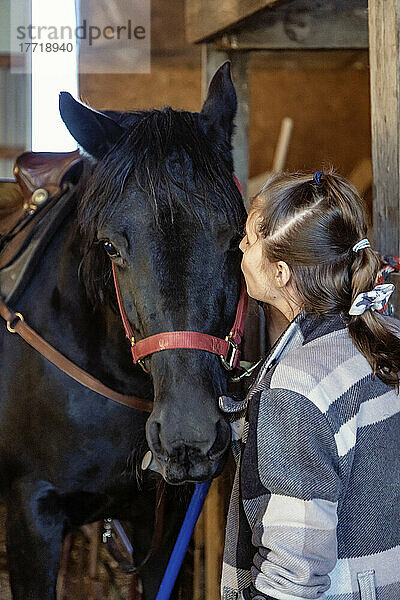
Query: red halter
point(227, 349)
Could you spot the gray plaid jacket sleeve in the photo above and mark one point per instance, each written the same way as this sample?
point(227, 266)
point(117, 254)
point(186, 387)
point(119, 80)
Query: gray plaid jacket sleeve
point(290, 489)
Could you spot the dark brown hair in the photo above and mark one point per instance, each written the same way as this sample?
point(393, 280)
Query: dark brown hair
point(313, 228)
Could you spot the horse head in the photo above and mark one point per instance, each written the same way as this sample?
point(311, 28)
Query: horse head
point(161, 206)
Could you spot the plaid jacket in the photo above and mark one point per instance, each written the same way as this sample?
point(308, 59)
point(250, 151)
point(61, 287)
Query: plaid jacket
point(315, 504)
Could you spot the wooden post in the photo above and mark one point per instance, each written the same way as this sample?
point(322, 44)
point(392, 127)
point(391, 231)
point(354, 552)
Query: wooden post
point(384, 25)
point(212, 58)
point(199, 587)
point(214, 539)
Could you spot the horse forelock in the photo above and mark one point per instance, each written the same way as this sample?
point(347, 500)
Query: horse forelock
point(164, 154)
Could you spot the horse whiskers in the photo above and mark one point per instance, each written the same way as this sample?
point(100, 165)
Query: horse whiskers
point(133, 469)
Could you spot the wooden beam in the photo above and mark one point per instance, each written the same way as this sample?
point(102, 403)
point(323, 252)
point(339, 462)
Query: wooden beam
point(10, 152)
point(198, 559)
point(263, 25)
point(282, 146)
point(255, 183)
point(206, 18)
point(16, 60)
point(384, 25)
point(310, 60)
point(4, 61)
point(214, 539)
point(302, 24)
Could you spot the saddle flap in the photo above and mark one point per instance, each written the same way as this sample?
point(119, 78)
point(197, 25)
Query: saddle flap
point(11, 204)
point(34, 170)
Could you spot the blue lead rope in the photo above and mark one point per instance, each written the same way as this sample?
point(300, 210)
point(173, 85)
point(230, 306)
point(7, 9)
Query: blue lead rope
point(182, 541)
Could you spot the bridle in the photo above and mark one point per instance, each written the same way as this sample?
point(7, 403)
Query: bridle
point(227, 349)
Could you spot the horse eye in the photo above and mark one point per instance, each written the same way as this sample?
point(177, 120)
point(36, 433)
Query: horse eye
point(110, 249)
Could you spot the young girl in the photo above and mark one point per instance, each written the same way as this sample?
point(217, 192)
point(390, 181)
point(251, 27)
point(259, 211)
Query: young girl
point(315, 507)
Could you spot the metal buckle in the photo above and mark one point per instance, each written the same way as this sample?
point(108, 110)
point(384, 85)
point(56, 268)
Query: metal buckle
point(247, 370)
point(140, 362)
point(228, 361)
point(38, 199)
point(10, 324)
point(107, 533)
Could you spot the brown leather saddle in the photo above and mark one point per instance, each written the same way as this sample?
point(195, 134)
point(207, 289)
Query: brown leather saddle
point(38, 176)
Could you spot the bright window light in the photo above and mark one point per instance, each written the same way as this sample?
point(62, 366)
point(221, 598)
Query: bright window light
point(53, 71)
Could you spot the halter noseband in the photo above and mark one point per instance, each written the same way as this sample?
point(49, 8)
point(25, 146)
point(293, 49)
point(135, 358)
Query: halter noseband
point(227, 349)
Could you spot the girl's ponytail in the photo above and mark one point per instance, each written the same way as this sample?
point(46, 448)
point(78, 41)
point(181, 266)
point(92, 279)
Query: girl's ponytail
point(313, 223)
point(369, 331)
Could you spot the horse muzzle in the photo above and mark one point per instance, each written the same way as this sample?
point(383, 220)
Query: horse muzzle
point(180, 461)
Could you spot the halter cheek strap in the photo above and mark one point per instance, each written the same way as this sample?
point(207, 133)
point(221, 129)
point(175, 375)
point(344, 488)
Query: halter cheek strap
point(227, 349)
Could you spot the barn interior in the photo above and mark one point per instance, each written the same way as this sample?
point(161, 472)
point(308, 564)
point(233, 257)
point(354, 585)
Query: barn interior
point(305, 77)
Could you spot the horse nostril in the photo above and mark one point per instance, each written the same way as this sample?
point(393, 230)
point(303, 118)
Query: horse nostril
point(222, 439)
point(180, 454)
point(176, 451)
point(171, 448)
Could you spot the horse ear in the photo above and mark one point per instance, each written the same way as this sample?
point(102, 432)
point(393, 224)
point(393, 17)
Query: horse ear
point(219, 109)
point(93, 131)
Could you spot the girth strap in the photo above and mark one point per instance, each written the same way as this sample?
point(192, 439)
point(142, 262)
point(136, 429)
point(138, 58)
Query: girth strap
point(16, 324)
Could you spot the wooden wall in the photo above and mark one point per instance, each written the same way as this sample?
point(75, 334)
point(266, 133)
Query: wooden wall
point(175, 70)
point(326, 94)
point(329, 106)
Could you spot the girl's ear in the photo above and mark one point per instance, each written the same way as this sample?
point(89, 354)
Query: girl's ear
point(283, 274)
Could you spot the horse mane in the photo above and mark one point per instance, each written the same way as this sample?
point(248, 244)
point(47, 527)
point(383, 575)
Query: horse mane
point(176, 166)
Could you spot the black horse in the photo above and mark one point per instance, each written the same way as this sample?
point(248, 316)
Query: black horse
point(158, 199)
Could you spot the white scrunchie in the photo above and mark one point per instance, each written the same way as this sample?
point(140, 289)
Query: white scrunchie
point(373, 300)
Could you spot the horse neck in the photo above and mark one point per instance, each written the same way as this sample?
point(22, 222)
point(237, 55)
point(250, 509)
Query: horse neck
point(56, 305)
